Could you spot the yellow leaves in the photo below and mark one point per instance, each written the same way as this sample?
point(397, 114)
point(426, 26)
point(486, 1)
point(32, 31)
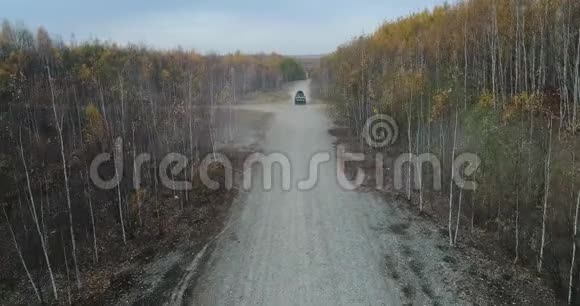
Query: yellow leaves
point(165, 74)
point(522, 102)
point(57, 55)
point(196, 58)
point(92, 114)
point(388, 96)
point(412, 81)
point(85, 73)
point(237, 58)
point(415, 31)
point(273, 61)
point(486, 99)
point(405, 86)
point(440, 102)
point(94, 131)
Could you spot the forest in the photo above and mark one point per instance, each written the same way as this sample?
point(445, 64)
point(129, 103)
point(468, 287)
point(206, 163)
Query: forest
point(497, 78)
point(61, 104)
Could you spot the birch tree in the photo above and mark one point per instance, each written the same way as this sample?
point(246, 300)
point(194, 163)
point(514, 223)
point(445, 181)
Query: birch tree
point(546, 196)
point(572, 263)
point(65, 173)
point(452, 178)
point(43, 243)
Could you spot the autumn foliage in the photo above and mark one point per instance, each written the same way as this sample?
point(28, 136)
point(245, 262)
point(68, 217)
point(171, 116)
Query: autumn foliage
point(65, 102)
point(510, 69)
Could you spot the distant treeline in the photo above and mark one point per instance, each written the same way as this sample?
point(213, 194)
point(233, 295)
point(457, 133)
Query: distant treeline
point(496, 78)
point(292, 70)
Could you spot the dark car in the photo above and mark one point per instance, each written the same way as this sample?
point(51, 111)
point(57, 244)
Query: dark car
point(300, 98)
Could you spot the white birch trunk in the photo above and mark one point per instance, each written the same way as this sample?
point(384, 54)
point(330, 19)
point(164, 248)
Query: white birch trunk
point(572, 264)
point(546, 195)
point(452, 178)
point(458, 216)
point(35, 219)
point(66, 184)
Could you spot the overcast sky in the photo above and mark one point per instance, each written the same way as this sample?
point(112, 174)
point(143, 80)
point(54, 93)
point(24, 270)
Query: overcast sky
point(299, 27)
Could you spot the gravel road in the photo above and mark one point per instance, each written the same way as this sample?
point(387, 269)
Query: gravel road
point(324, 246)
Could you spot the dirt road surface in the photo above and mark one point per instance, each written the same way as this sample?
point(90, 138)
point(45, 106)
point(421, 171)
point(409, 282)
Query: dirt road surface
point(324, 246)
